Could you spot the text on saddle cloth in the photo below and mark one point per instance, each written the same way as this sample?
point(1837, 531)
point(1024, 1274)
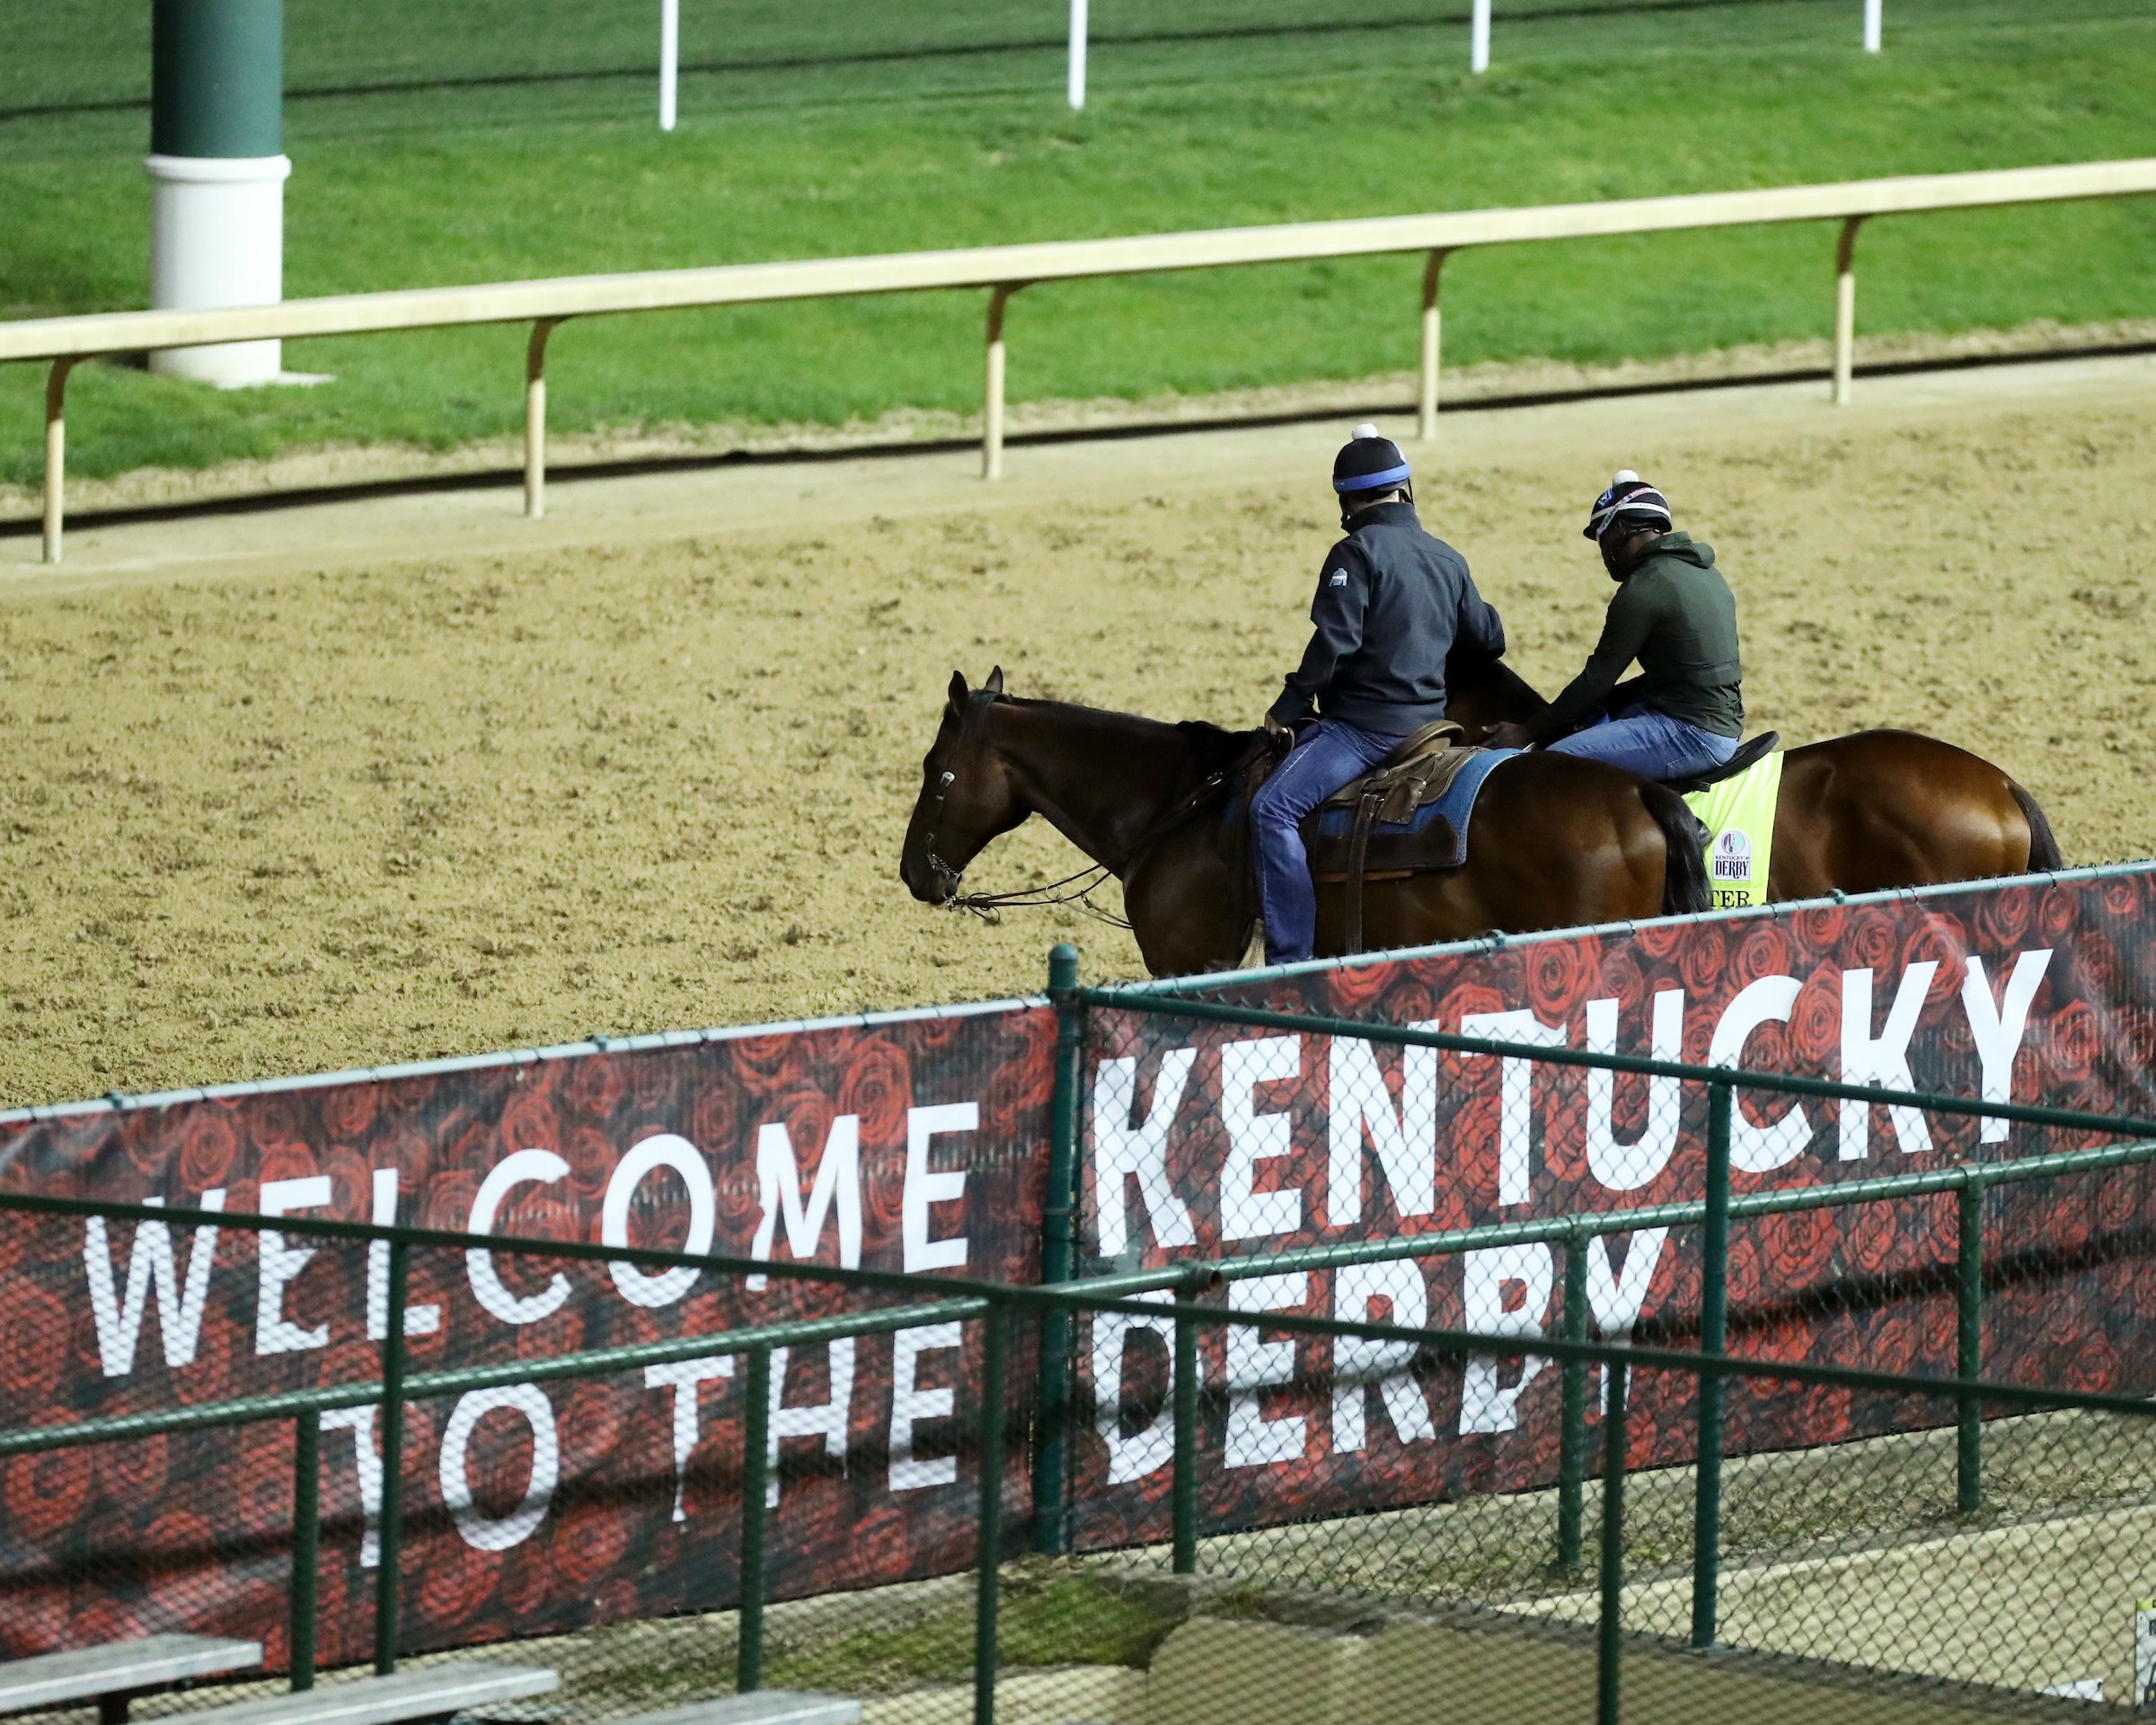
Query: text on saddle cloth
point(1738, 814)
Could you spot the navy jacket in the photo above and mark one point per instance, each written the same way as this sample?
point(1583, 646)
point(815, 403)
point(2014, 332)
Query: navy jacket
point(1392, 600)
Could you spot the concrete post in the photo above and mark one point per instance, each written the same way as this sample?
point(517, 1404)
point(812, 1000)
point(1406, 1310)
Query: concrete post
point(217, 172)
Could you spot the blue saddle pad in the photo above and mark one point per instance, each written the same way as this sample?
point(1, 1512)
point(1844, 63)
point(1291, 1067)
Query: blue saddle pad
point(1455, 809)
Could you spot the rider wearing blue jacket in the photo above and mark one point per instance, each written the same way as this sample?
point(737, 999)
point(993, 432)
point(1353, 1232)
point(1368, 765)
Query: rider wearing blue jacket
point(1392, 600)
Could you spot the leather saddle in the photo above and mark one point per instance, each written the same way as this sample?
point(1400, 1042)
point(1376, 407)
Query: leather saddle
point(1747, 755)
point(1381, 836)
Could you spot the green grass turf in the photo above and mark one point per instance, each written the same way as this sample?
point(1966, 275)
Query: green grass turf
point(488, 140)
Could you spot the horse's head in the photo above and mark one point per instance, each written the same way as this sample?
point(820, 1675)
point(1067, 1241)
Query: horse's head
point(966, 795)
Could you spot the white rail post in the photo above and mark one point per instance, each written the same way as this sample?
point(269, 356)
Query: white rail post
point(1425, 418)
point(534, 420)
point(1478, 50)
point(1845, 309)
point(669, 61)
point(1872, 9)
point(991, 399)
point(1077, 75)
point(56, 455)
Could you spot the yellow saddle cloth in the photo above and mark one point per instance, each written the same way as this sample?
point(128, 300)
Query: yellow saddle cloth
point(1738, 814)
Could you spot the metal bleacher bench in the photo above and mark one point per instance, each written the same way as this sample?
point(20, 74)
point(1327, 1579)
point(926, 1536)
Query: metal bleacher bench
point(114, 1674)
point(759, 1707)
point(416, 1693)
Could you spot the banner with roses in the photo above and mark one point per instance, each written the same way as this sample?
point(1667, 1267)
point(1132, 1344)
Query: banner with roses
point(913, 1142)
point(1207, 1138)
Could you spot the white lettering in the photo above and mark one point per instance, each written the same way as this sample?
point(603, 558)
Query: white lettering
point(273, 1333)
point(1255, 1365)
point(662, 1150)
point(1357, 1103)
point(1616, 1297)
point(419, 1320)
point(1625, 1167)
point(1245, 1213)
point(541, 1168)
point(923, 1189)
point(1152, 1449)
point(826, 1419)
point(683, 1377)
point(1759, 1149)
point(1122, 1151)
point(1516, 1094)
point(1359, 1364)
point(1882, 1059)
point(361, 1422)
point(911, 1404)
point(837, 1187)
point(1997, 1030)
point(486, 1533)
point(150, 1265)
point(1485, 1404)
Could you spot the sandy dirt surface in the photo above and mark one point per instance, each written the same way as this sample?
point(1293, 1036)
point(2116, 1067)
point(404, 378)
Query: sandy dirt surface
point(377, 781)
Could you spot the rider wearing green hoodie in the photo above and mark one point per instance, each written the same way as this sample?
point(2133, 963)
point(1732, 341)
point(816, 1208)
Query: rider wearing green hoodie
point(1673, 613)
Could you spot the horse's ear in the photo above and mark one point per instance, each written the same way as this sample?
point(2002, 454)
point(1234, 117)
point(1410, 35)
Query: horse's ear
point(957, 690)
point(994, 685)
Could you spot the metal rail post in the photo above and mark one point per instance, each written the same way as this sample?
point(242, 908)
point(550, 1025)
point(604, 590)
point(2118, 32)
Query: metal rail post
point(992, 397)
point(1609, 1647)
point(1968, 1352)
point(56, 455)
point(1572, 1453)
point(1059, 1257)
point(534, 420)
point(995, 1325)
point(306, 1541)
point(1425, 413)
point(1714, 1335)
point(756, 1475)
point(392, 1464)
point(1845, 309)
point(1183, 1483)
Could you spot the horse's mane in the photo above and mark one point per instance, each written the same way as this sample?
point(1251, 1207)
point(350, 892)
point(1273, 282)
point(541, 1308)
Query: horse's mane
point(1207, 744)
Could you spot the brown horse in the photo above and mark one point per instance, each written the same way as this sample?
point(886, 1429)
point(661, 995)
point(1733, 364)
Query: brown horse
point(1557, 841)
point(1863, 813)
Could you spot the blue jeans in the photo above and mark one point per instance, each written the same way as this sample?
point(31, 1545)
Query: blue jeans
point(1326, 756)
point(1649, 743)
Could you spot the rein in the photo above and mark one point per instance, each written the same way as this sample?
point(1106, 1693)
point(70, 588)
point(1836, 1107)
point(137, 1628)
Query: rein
point(1086, 881)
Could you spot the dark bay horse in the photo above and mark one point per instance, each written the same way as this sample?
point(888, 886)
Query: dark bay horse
point(1557, 841)
point(1867, 812)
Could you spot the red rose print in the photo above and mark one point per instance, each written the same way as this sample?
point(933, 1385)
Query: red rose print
point(454, 1581)
point(1762, 951)
point(1815, 1021)
point(1554, 976)
point(44, 1492)
point(33, 1333)
point(209, 1142)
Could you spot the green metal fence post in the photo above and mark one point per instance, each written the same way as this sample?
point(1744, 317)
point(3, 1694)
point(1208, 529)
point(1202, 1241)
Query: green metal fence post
point(1609, 1630)
point(1714, 1336)
point(391, 1537)
point(1969, 1353)
point(1572, 1453)
point(306, 1541)
point(1183, 1484)
point(1060, 1258)
point(755, 1476)
point(995, 1324)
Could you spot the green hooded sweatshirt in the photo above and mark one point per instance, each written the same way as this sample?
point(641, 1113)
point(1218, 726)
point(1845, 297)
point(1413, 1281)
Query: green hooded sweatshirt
point(1675, 615)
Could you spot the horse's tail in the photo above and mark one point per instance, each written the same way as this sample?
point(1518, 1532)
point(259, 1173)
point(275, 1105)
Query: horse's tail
point(1685, 878)
point(2043, 848)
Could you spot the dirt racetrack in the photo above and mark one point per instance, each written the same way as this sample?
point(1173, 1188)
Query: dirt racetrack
point(318, 788)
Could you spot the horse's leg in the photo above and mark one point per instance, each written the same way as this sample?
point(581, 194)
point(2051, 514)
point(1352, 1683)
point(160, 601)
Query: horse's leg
point(1556, 841)
point(1887, 809)
point(1182, 906)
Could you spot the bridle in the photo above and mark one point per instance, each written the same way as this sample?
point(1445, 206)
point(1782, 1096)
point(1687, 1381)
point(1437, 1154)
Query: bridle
point(972, 737)
point(1075, 889)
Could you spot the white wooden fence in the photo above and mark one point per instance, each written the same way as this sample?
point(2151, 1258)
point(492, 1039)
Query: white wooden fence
point(64, 342)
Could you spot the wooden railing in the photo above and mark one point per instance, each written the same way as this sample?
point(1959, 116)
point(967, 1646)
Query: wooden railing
point(63, 342)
